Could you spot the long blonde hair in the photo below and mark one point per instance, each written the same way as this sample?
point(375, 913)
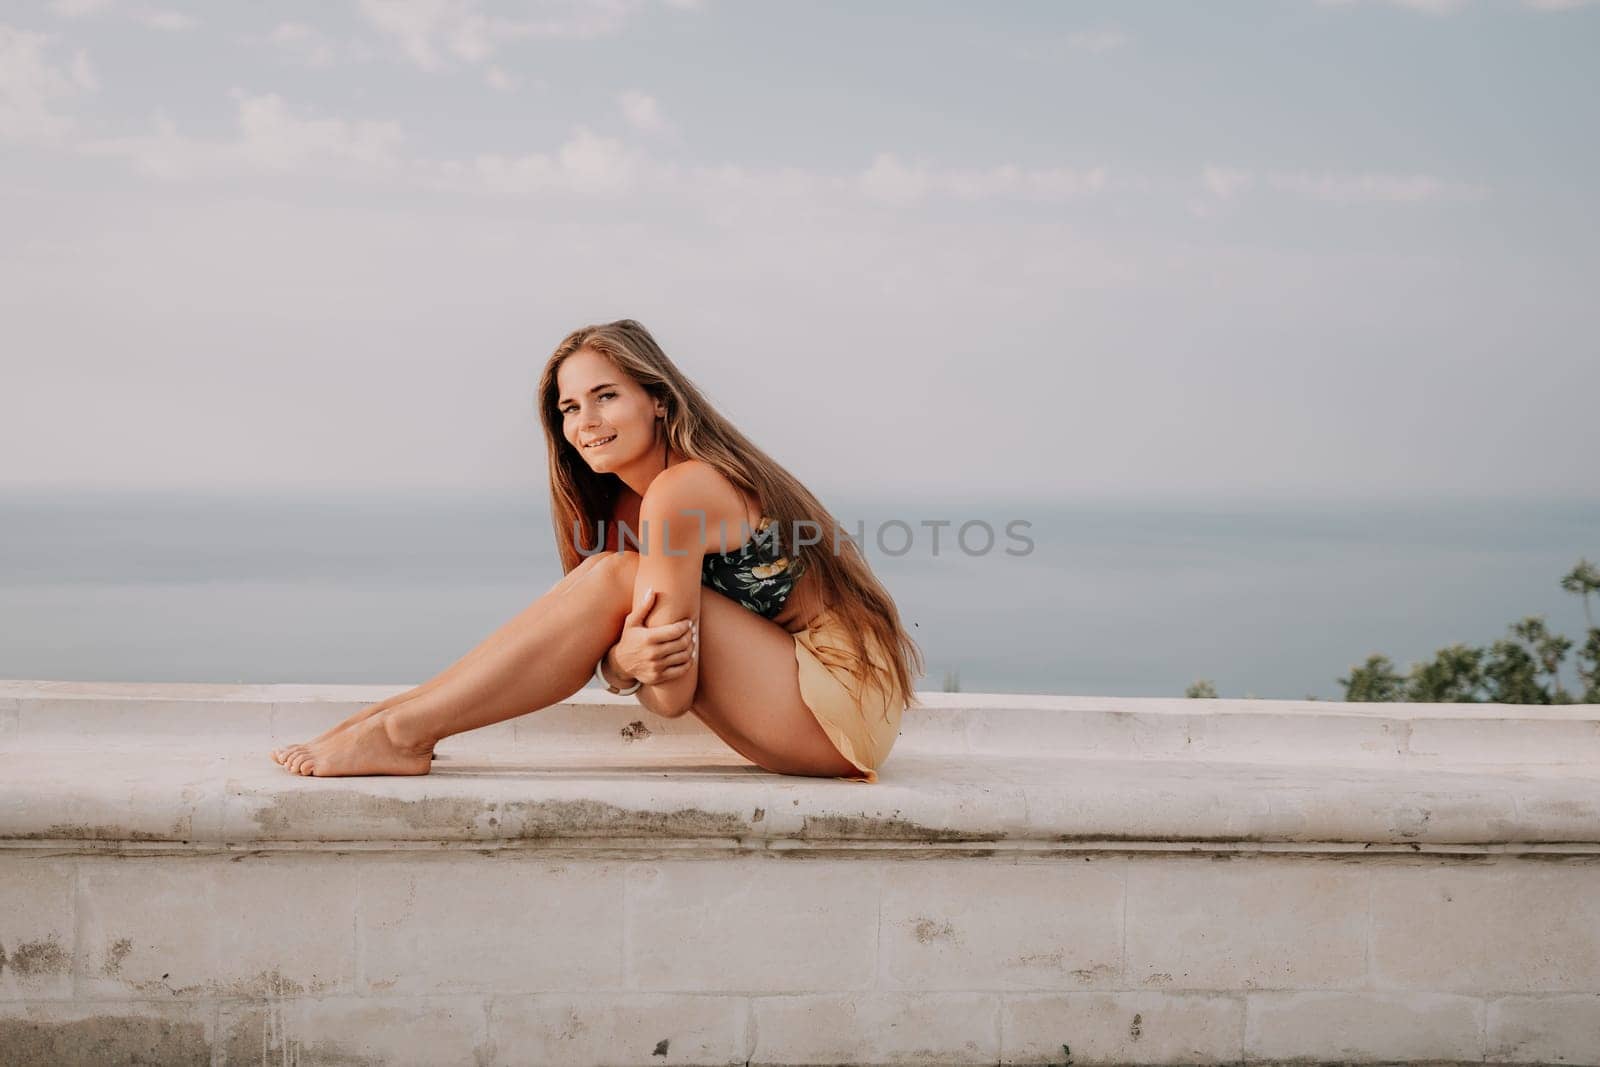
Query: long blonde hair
point(580, 498)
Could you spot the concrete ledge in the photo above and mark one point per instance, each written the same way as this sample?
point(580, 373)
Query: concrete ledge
point(1033, 880)
point(187, 766)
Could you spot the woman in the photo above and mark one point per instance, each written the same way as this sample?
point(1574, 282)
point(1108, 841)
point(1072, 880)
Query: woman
point(796, 658)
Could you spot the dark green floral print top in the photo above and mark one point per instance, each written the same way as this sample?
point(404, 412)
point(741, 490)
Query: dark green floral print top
point(755, 574)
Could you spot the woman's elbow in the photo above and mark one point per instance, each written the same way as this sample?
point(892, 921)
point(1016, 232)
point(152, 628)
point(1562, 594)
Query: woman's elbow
point(678, 705)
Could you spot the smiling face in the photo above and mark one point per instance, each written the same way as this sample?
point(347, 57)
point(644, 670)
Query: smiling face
point(606, 415)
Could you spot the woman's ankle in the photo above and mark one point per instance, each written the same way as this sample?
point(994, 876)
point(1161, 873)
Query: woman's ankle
point(407, 734)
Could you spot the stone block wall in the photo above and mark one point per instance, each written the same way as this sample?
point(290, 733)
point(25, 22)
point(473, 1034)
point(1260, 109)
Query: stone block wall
point(532, 956)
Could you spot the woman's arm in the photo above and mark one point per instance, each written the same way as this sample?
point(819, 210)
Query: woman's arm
point(680, 507)
point(625, 510)
point(653, 655)
point(652, 703)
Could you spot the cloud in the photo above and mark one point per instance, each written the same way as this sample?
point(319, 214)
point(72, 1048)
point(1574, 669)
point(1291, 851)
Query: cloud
point(643, 112)
point(1559, 5)
point(33, 81)
point(1100, 40)
point(432, 33)
point(890, 180)
point(586, 164)
point(303, 44)
point(270, 139)
point(77, 9)
point(156, 18)
point(307, 46)
point(1426, 7)
point(271, 136)
point(1374, 188)
point(1225, 183)
point(166, 19)
point(499, 79)
point(273, 139)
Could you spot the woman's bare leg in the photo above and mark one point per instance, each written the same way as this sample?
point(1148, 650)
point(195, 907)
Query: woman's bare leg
point(749, 693)
point(539, 658)
point(455, 670)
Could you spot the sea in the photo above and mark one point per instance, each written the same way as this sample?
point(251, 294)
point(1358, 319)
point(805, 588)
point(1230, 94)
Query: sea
point(1263, 596)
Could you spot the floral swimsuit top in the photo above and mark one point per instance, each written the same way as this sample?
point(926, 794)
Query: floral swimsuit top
point(754, 574)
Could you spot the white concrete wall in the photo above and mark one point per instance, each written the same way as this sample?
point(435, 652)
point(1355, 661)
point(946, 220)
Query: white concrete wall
point(1033, 878)
point(521, 957)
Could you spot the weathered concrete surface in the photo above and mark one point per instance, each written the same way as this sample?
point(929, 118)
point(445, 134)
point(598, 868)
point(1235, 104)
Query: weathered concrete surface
point(1032, 880)
point(508, 957)
point(1276, 732)
point(182, 796)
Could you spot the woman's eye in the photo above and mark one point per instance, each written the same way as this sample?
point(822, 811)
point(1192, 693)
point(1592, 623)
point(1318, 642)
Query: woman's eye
point(570, 408)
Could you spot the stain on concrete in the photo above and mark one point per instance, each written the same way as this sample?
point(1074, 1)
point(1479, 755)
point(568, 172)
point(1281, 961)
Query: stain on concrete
point(1572, 809)
point(534, 820)
point(471, 817)
point(164, 985)
point(271, 984)
point(1137, 1026)
point(109, 1038)
point(289, 812)
point(1098, 972)
point(1054, 958)
point(1159, 978)
point(820, 853)
point(1208, 839)
point(116, 952)
point(1412, 822)
point(257, 1034)
point(661, 1047)
point(635, 731)
point(761, 813)
point(574, 1026)
point(33, 959)
point(872, 828)
point(928, 930)
point(181, 831)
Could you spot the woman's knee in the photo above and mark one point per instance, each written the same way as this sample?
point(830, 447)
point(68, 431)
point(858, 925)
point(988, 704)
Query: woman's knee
point(619, 570)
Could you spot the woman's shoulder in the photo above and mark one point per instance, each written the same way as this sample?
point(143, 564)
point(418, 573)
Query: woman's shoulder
point(693, 485)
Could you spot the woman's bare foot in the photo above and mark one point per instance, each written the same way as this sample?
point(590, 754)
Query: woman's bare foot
point(281, 755)
point(366, 747)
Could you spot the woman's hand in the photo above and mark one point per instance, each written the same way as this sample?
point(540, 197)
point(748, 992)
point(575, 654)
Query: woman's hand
point(654, 654)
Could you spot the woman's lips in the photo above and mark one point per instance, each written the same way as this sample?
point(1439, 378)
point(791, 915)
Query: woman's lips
point(602, 442)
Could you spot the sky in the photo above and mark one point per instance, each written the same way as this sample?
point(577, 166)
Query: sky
point(1289, 247)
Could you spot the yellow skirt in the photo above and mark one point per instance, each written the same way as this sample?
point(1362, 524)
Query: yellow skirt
point(863, 730)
